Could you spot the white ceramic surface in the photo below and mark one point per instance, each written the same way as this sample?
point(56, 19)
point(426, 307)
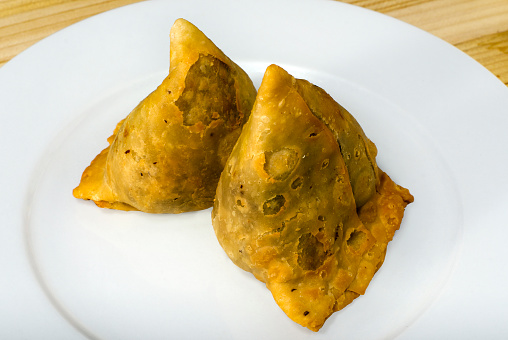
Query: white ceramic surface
point(72, 270)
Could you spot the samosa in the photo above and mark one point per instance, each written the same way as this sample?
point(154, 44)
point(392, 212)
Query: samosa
point(168, 154)
point(287, 202)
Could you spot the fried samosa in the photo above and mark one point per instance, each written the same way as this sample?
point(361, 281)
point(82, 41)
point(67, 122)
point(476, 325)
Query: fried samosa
point(358, 152)
point(167, 155)
point(286, 209)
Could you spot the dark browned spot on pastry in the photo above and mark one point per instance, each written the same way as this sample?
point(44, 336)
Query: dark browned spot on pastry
point(311, 254)
point(293, 289)
point(127, 151)
point(325, 163)
point(209, 93)
point(356, 239)
point(306, 313)
point(281, 228)
point(358, 153)
point(321, 218)
point(273, 205)
point(297, 183)
point(313, 134)
point(338, 231)
point(240, 203)
point(281, 163)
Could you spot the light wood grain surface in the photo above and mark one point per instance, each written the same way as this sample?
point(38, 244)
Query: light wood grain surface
point(477, 27)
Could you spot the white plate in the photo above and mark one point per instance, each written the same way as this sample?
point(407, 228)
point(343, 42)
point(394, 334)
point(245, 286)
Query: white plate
point(72, 270)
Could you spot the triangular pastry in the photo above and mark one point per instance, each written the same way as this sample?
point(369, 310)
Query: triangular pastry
point(286, 209)
point(167, 155)
point(358, 151)
point(382, 215)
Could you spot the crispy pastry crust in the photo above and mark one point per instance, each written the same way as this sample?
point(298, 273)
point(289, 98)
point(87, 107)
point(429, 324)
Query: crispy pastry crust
point(285, 207)
point(167, 155)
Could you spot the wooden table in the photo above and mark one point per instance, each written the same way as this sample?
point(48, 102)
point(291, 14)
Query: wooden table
point(477, 27)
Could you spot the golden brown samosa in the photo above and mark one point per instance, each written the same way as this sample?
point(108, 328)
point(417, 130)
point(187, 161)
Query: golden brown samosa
point(358, 151)
point(167, 155)
point(382, 215)
point(286, 208)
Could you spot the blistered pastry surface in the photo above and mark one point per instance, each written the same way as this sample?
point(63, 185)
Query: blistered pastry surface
point(285, 208)
point(167, 155)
